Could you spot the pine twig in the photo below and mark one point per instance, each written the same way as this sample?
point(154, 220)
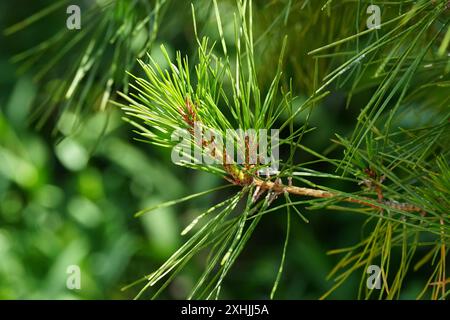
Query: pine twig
point(240, 177)
point(317, 193)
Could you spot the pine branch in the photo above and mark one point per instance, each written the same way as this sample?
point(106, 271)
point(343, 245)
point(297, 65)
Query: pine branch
point(318, 193)
point(412, 159)
point(244, 178)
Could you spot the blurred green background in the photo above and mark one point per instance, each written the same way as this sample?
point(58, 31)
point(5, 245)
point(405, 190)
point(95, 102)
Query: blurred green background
point(69, 198)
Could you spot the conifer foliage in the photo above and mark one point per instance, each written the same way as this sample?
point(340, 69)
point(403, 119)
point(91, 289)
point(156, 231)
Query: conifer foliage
point(271, 66)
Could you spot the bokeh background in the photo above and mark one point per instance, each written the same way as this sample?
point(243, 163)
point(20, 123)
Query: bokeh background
point(67, 197)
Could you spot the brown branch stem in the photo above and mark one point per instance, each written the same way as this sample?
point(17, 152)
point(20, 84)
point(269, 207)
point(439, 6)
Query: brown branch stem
point(317, 193)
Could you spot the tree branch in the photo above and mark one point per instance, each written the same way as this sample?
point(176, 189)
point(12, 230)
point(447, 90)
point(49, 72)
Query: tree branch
point(317, 193)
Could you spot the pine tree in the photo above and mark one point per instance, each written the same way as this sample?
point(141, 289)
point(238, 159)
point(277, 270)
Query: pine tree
point(395, 161)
